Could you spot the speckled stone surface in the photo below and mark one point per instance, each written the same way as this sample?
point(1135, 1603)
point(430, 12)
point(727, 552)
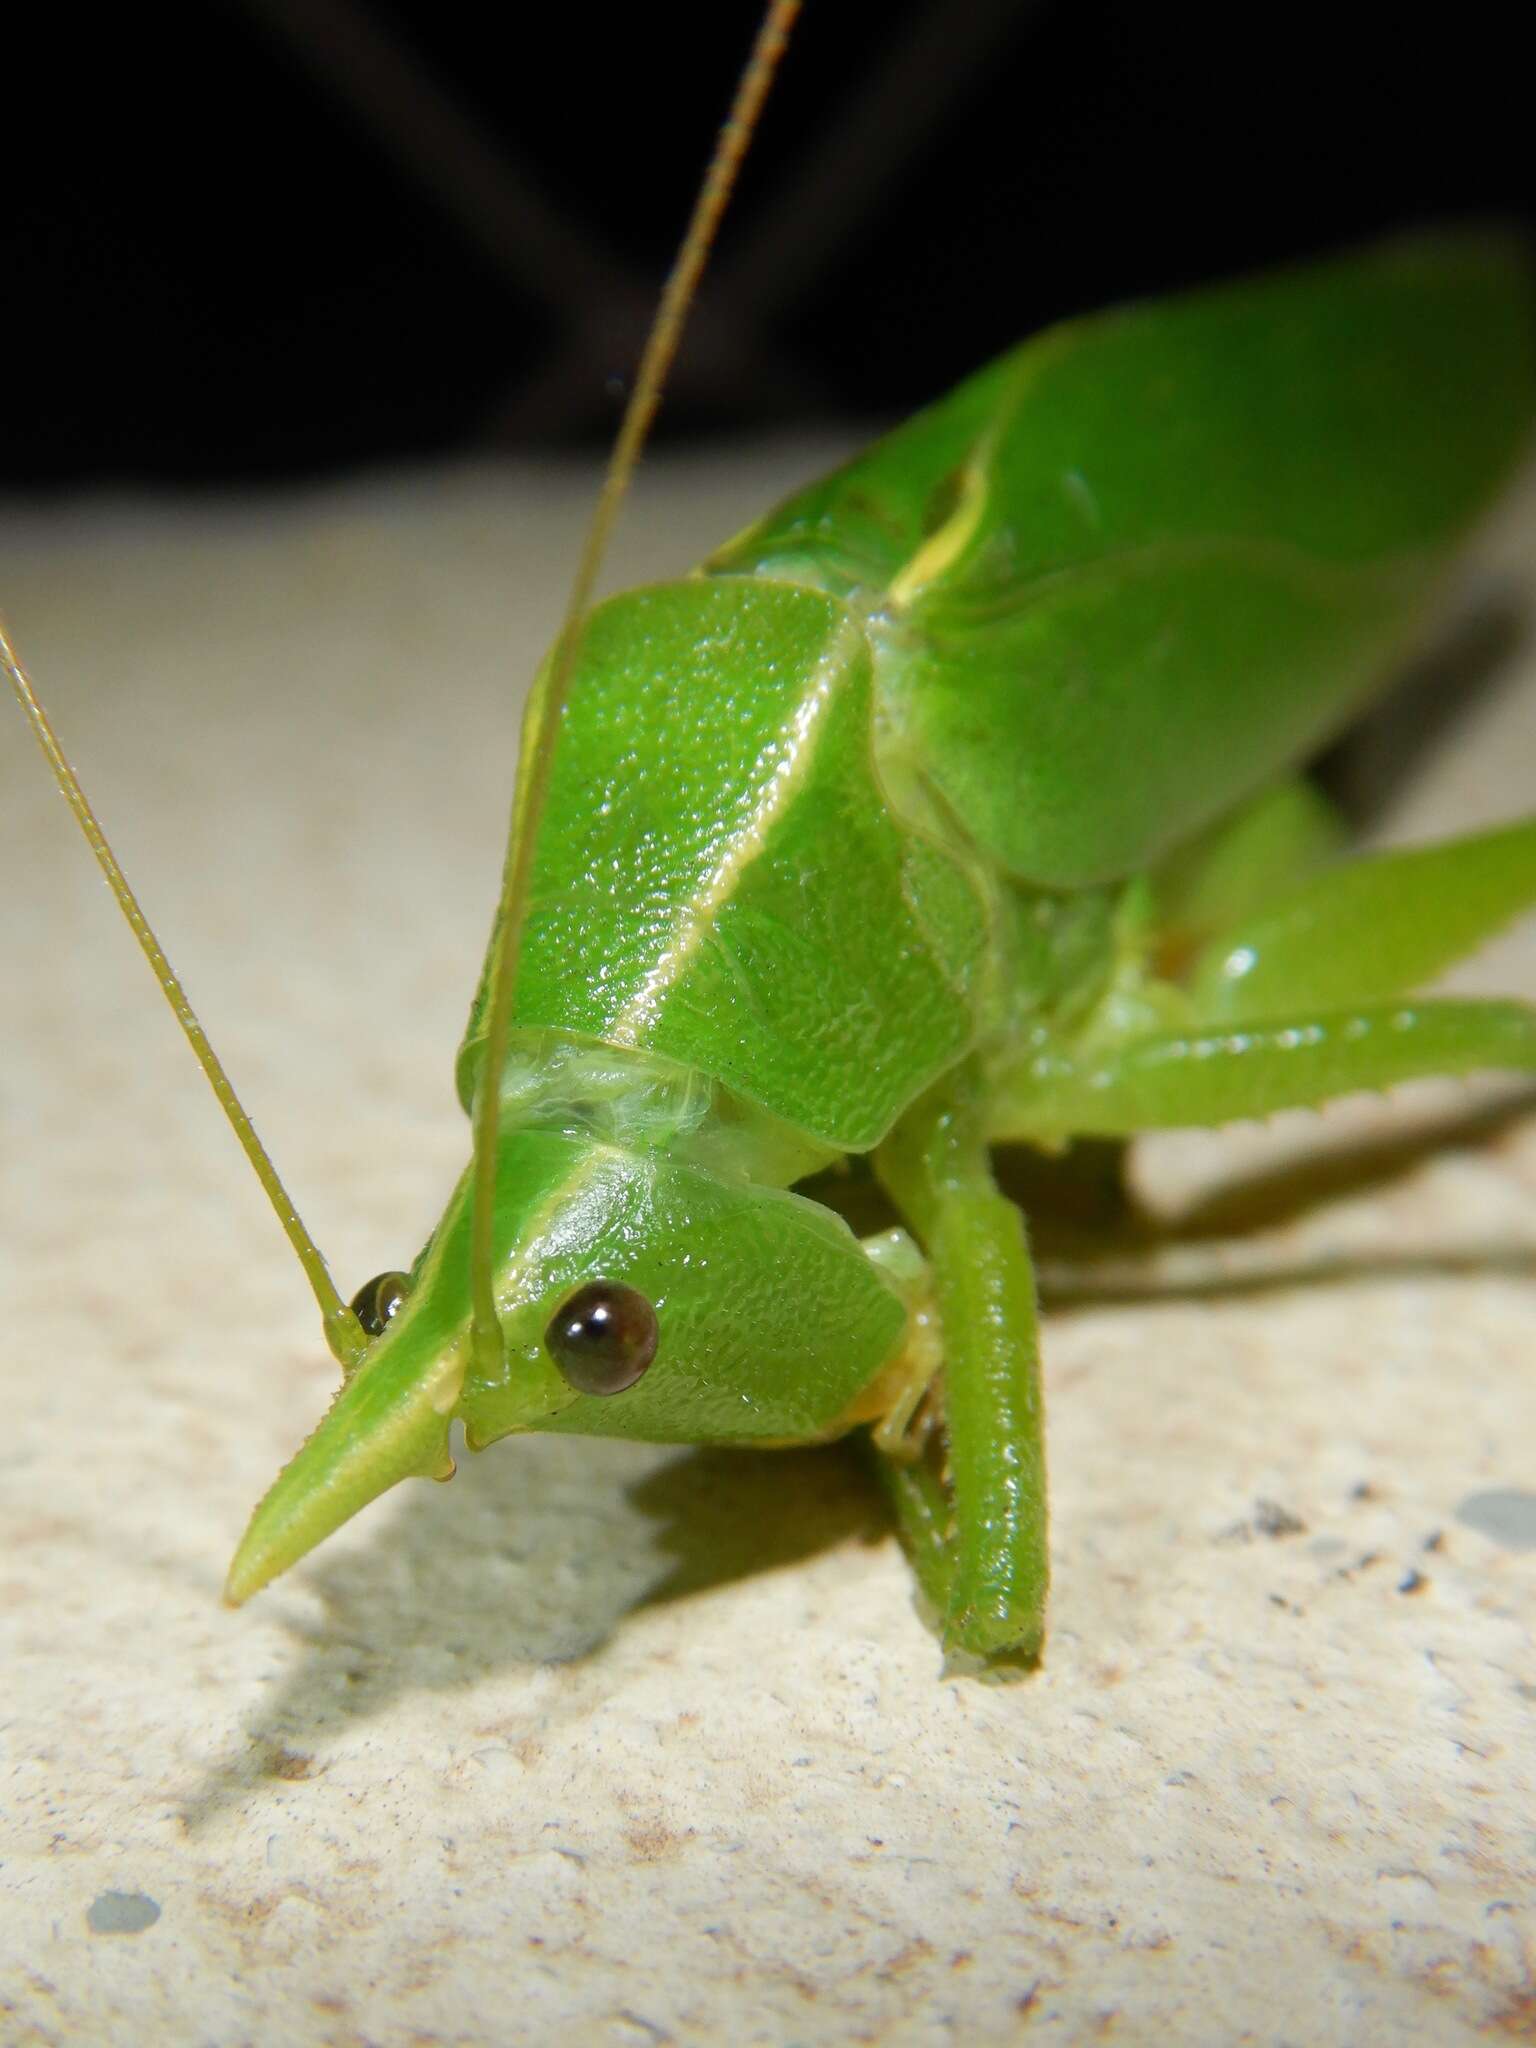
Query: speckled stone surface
point(615, 1744)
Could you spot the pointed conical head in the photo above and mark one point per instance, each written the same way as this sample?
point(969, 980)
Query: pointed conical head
point(768, 1321)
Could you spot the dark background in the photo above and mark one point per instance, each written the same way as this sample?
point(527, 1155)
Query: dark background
point(281, 237)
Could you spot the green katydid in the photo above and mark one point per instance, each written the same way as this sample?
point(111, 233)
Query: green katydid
point(954, 802)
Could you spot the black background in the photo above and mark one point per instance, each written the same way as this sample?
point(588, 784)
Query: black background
point(215, 268)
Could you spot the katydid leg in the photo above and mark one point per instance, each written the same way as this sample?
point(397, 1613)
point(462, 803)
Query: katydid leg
point(1364, 929)
point(925, 1517)
point(1214, 1076)
point(982, 1559)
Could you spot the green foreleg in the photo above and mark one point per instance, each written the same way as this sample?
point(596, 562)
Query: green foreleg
point(1365, 929)
point(983, 1562)
point(1253, 1070)
point(925, 1518)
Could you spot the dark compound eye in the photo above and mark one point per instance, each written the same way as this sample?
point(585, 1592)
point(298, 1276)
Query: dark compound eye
point(375, 1303)
point(603, 1338)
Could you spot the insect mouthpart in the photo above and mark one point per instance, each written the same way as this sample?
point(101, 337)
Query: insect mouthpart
point(378, 1299)
point(603, 1338)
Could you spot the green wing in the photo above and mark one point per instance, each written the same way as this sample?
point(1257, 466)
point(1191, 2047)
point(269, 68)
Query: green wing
point(1134, 569)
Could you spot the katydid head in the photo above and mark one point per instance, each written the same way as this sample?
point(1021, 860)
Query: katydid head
point(638, 1293)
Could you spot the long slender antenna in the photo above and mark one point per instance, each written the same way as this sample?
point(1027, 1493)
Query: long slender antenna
point(342, 1331)
point(655, 364)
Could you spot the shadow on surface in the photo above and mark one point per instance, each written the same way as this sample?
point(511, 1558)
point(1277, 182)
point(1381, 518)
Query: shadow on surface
point(1279, 1194)
point(531, 1557)
point(1117, 1282)
point(540, 1549)
point(728, 1515)
point(1079, 1267)
point(1387, 749)
point(1270, 1196)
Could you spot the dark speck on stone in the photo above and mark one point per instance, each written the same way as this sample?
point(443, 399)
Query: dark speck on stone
point(1506, 1514)
point(121, 1913)
point(1270, 1519)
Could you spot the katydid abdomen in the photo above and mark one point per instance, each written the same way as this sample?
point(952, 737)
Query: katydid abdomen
point(893, 832)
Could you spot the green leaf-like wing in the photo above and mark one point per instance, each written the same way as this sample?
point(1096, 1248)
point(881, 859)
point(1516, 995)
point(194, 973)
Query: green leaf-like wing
point(1145, 562)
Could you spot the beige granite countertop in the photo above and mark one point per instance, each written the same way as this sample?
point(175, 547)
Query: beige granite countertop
point(605, 1743)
